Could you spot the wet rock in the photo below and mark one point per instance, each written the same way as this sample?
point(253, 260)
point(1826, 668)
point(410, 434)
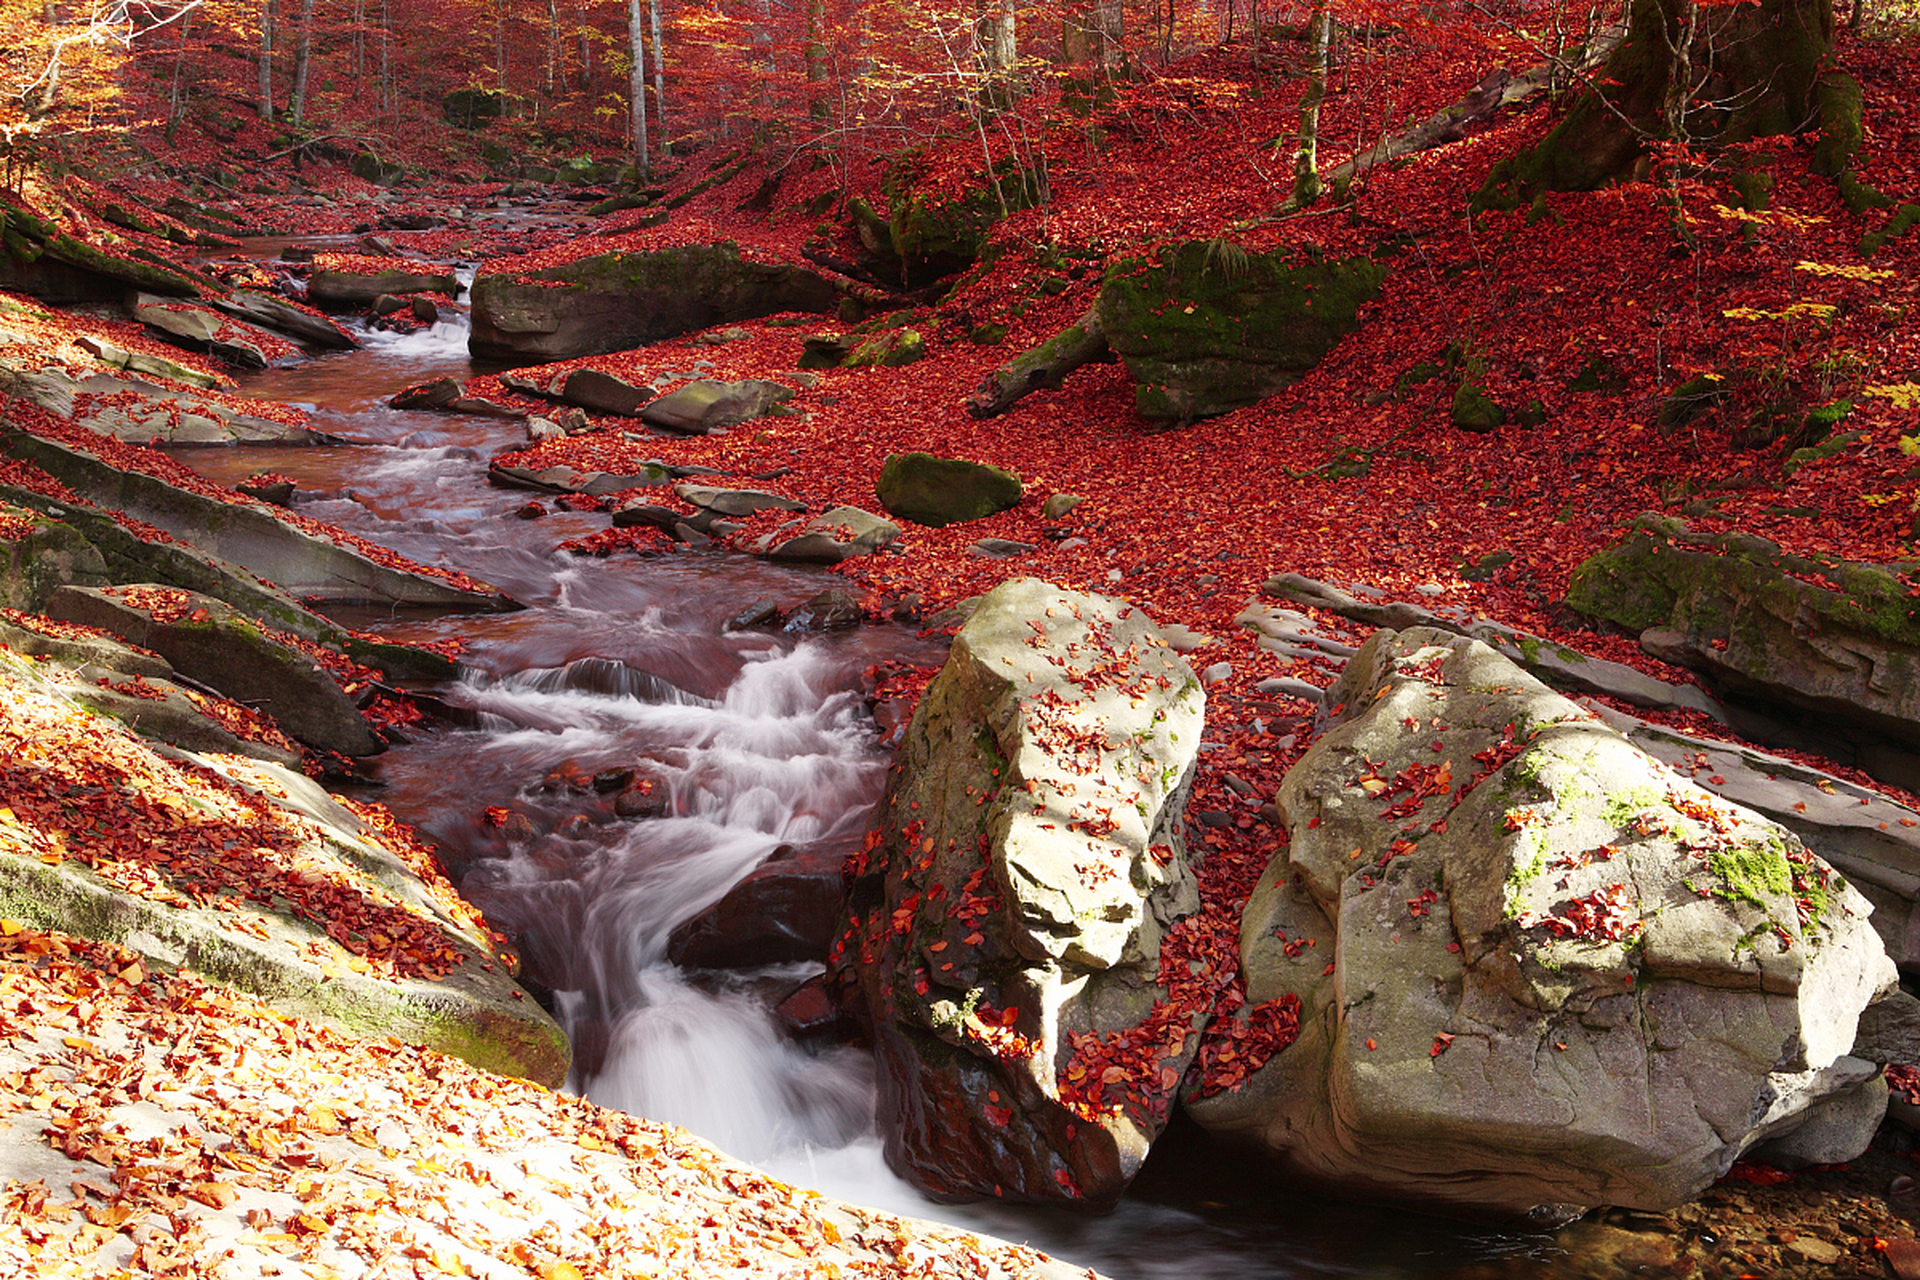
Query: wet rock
point(831, 537)
point(633, 513)
point(201, 328)
point(782, 912)
point(831, 610)
point(539, 429)
point(283, 317)
point(439, 393)
point(352, 290)
point(424, 309)
point(565, 479)
point(705, 405)
point(620, 301)
point(1536, 913)
point(278, 492)
point(1028, 866)
point(811, 1012)
point(938, 491)
point(608, 781)
point(639, 801)
point(211, 643)
point(386, 304)
point(518, 828)
point(764, 612)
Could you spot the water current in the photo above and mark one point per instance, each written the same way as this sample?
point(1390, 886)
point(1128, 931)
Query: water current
point(750, 741)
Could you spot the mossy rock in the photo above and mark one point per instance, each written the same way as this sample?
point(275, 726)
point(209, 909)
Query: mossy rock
point(39, 555)
point(620, 300)
point(1474, 410)
point(1207, 327)
point(937, 492)
point(1598, 374)
point(1691, 399)
point(925, 236)
point(1905, 219)
point(372, 168)
point(889, 350)
point(1766, 621)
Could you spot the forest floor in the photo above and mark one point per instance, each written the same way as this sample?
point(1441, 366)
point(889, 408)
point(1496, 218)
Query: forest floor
point(1355, 474)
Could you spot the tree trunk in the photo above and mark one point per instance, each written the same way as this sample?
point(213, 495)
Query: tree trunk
point(269, 11)
point(1046, 365)
point(1685, 73)
point(175, 110)
point(1306, 157)
point(819, 108)
point(659, 70)
point(637, 88)
point(302, 57)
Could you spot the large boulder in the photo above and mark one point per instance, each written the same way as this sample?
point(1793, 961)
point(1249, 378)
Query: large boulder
point(830, 537)
point(39, 554)
point(937, 491)
point(618, 301)
point(1836, 638)
point(1206, 326)
point(208, 641)
point(276, 313)
point(199, 327)
point(1562, 975)
point(1007, 920)
point(784, 911)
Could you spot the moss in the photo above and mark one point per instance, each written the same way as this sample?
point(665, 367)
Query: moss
point(1474, 410)
point(1903, 221)
point(1860, 196)
point(1598, 374)
point(1755, 190)
point(1752, 873)
point(1841, 109)
point(1691, 399)
point(1621, 808)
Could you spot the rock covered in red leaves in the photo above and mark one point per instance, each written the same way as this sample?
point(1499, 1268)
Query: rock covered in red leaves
point(1011, 908)
point(1555, 973)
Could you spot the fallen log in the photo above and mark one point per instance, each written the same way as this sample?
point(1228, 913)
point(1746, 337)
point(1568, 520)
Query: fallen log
point(1047, 365)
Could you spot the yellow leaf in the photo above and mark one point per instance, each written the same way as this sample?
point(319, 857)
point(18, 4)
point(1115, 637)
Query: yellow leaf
point(560, 1271)
point(9, 928)
point(215, 1195)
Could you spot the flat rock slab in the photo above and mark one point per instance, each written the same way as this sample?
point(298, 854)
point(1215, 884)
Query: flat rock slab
point(349, 290)
point(151, 365)
point(600, 392)
point(734, 502)
point(322, 864)
point(255, 538)
point(282, 316)
point(831, 537)
point(139, 412)
point(207, 640)
point(564, 479)
point(706, 405)
point(199, 327)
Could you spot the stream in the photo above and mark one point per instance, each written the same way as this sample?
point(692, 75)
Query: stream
point(747, 741)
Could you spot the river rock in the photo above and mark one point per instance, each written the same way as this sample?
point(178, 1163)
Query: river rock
point(348, 289)
point(600, 392)
point(619, 301)
point(255, 538)
point(153, 366)
point(734, 502)
point(1027, 865)
point(280, 315)
point(202, 328)
point(1205, 327)
point(830, 537)
point(207, 640)
point(784, 911)
point(937, 491)
point(138, 412)
point(1562, 976)
point(1758, 622)
point(565, 479)
point(706, 405)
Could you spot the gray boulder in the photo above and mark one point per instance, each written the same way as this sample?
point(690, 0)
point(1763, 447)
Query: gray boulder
point(202, 328)
point(734, 502)
point(208, 641)
point(39, 554)
point(138, 412)
point(937, 491)
point(830, 537)
point(1010, 913)
point(706, 405)
point(1563, 976)
point(619, 301)
point(600, 392)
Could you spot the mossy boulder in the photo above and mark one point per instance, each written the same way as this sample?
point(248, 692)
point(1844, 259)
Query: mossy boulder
point(618, 301)
point(937, 491)
point(39, 554)
point(1028, 862)
point(931, 231)
point(1205, 327)
point(1537, 970)
point(1474, 410)
point(889, 350)
point(1835, 637)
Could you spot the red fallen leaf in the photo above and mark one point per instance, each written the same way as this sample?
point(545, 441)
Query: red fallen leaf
point(999, 1116)
point(497, 815)
point(1440, 1043)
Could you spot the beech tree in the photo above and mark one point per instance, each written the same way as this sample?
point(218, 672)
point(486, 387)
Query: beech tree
point(1693, 71)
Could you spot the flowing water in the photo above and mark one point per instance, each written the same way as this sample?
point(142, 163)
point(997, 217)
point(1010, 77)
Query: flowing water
point(746, 742)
